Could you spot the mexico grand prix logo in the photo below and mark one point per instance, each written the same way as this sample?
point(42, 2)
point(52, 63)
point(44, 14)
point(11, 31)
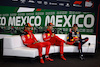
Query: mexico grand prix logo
point(89, 3)
point(77, 4)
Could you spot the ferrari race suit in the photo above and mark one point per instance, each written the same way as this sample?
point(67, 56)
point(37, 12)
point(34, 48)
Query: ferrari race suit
point(47, 37)
point(29, 40)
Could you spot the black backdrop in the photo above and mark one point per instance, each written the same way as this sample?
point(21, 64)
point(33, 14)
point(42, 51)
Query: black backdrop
point(98, 26)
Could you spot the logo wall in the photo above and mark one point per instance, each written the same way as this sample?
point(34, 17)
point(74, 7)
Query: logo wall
point(39, 18)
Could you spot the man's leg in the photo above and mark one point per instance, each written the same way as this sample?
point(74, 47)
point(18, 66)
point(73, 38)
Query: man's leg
point(56, 37)
point(80, 51)
point(39, 46)
point(84, 40)
point(47, 45)
point(61, 44)
point(79, 44)
point(58, 42)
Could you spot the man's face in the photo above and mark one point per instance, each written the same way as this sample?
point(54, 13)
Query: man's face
point(75, 28)
point(50, 27)
point(28, 28)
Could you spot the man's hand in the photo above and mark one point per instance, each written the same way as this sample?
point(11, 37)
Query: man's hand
point(77, 39)
point(36, 42)
point(70, 43)
point(52, 35)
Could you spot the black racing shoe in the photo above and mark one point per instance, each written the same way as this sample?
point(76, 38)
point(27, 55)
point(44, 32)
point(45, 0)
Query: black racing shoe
point(82, 57)
point(89, 44)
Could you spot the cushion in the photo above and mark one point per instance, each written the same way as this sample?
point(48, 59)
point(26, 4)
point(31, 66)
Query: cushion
point(13, 42)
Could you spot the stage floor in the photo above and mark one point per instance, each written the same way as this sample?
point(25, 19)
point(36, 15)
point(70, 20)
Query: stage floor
point(72, 61)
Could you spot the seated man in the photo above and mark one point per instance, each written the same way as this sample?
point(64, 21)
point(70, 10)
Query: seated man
point(49, 36)
point(30, 41)
point(74, 35)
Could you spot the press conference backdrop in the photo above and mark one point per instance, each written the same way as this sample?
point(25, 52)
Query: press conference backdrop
point(13, 20)
point(62, 13)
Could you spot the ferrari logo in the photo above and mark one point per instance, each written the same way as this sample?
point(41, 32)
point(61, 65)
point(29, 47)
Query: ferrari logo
point(48, 35)
point(28, 36)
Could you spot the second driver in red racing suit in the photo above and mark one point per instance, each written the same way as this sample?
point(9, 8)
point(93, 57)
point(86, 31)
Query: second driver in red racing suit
point(49, 36)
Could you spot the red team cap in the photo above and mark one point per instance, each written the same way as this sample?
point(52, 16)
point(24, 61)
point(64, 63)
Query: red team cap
point(28, 25)
point(50, 24)
point(75, 25)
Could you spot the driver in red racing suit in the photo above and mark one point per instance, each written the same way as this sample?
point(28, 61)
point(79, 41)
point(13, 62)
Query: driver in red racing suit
point(49, 36)
point(30, 41)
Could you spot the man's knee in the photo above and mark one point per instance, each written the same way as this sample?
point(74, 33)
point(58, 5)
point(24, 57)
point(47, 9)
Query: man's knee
point(61, 43)
point(39, 45)
point(79, 46)
point(48, 43)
